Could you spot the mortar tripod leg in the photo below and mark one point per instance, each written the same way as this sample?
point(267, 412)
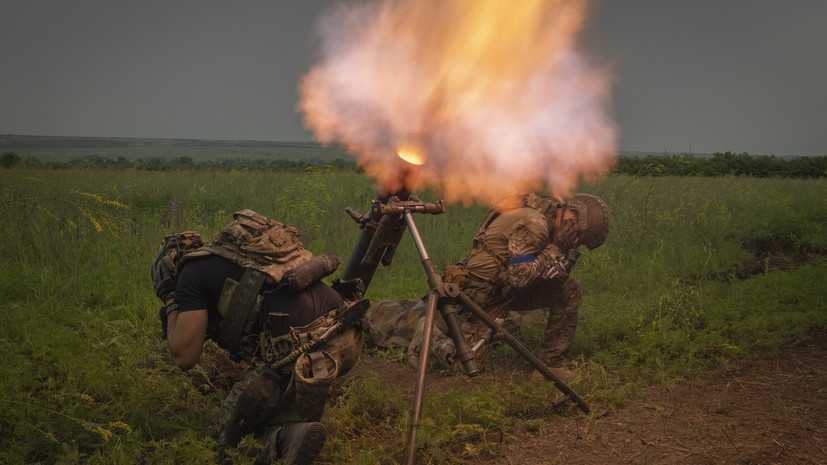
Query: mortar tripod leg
point(463, 354)
point(525, 353)
point(416, 407)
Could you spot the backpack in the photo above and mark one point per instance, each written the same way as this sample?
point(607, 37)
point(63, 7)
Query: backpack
point(268, 250)
point(167, 262)
point(255, 241)
point(250, 240)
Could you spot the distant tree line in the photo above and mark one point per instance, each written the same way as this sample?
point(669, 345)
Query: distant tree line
point(11, 159)
point(723, 164)
point(720, 164)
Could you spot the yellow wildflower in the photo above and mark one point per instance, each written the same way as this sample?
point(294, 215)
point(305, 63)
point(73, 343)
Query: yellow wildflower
point(120, 425)
point(104, 433)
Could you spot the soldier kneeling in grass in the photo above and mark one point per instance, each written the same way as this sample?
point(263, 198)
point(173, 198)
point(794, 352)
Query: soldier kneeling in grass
point(257, 292)
point(520, 261)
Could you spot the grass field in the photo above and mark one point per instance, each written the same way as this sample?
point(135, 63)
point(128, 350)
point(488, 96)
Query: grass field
point(65, 149)
point(696, 272)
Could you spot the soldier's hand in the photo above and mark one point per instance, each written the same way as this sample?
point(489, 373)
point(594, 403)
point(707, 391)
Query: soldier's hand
point(557, 270)
point(457, 275)
point(565, 237)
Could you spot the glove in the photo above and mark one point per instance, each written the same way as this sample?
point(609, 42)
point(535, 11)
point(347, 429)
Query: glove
point(553, 261)
point(556, 270)
point(565, 237)
point(455, 274)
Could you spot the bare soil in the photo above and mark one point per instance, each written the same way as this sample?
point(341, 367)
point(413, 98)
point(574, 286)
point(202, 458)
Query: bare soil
point(768, 409)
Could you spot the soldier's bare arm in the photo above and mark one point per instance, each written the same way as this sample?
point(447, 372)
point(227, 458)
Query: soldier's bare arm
point(185, 337)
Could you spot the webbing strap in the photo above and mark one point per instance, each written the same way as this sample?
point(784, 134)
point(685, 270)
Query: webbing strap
point(318, 365)
point(241, 304)
point(502, 264)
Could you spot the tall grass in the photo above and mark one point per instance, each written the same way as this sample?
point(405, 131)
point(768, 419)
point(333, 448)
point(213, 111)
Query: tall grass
point(85, 379)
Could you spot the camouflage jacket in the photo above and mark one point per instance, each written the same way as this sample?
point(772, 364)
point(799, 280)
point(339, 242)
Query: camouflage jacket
point(512, 251)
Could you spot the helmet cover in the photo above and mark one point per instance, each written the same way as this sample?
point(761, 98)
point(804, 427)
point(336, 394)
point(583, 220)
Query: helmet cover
point(592, 219)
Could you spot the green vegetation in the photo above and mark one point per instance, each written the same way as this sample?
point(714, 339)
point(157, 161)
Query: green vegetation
point(696, 273)
point(723, 164)
point(10, 159)
point(193, 154)
point(161, 154)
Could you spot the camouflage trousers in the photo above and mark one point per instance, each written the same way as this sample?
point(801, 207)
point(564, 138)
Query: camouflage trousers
point(401, 323)
point(561, 300)
point(268, 437)
point(302, 398)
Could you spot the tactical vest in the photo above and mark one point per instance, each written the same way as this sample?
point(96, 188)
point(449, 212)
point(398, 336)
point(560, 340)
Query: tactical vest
point(268, 251)
point(256, 242)
point(547, 206)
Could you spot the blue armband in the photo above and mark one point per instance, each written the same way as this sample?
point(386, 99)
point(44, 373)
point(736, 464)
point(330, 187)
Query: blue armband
point(521, 259)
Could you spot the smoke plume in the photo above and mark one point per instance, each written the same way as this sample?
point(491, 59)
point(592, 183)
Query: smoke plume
point(495, 96)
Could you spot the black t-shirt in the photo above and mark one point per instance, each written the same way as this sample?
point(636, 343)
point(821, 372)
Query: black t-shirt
point(201, 280)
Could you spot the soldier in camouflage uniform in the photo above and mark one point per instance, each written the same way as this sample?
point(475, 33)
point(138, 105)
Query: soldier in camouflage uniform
point(281, 406)
point(520, 245)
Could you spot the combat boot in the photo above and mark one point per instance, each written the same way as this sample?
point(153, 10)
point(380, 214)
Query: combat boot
point(300, 443)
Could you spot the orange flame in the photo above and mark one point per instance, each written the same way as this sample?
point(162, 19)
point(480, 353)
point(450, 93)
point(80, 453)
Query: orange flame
point(411, 155)
point(495, 94)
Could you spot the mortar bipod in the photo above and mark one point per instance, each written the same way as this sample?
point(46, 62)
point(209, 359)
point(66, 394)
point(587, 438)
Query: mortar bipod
point(447, 295)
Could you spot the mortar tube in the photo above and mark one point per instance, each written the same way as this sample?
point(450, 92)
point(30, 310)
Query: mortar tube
point(406, 177)
point(354, 267)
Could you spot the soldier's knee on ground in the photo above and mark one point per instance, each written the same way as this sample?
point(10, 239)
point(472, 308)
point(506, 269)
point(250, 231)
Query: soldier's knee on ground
point(255, 406)
point(393, 323)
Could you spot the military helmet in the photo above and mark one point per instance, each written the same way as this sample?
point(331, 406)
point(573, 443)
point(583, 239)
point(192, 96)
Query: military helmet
point(592, 218)
point(546, 205)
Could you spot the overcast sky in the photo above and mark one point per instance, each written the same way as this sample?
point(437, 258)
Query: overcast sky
point(702, 76)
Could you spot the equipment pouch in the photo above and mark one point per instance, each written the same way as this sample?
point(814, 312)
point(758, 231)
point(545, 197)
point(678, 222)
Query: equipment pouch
point(344, 347)
point(318, 370)
point(224, 301)
point(239, 337)
point(274, 349)
point(455, 274)
point(306, 395)
point(309, 272)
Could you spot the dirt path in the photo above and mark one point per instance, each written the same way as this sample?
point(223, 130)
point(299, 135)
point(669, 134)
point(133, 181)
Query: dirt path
point(771, 409)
